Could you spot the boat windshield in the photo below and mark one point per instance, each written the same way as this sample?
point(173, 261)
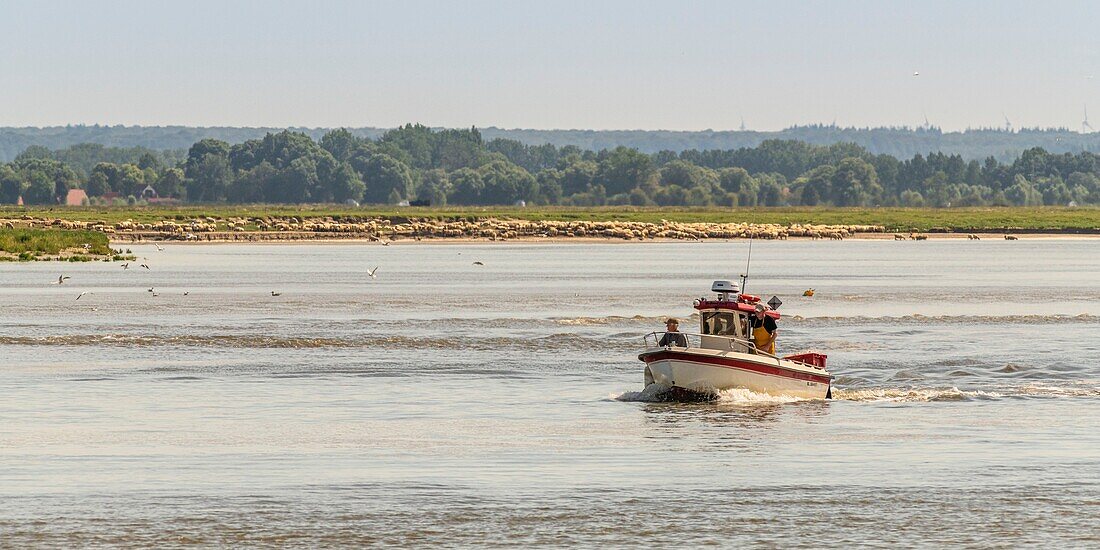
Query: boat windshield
point(721, 323)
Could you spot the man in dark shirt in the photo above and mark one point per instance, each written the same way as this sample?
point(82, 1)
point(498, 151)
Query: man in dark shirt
point(764, 330)
point(672, 335)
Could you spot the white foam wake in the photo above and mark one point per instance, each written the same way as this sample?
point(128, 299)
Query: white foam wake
point(650, 394)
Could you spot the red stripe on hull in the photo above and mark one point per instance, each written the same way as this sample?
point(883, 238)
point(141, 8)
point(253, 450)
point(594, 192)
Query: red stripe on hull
point(737, 364)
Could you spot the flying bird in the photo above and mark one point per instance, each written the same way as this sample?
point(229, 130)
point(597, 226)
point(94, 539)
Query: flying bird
point(916, 73)
point(186, 293)
point(150, 289)
point(372, 272)
point(159, 247)
point(81, 295)
point(478, 263)
point(146, 266)
point(385, 243)
point(126, 265)
point(61, 279)
point(273, 293)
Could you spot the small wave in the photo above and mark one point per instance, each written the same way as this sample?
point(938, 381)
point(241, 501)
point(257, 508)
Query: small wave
point(138, 340)
point(918, 319)
point(557, 341)
point(1081, 389)
point(912, 394)
point(613, 319)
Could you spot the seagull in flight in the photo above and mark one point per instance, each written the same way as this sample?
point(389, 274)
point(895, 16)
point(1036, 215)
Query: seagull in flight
point(150, 289)
point(916, 73)
point(478, 263)
point(273, 293)
point(385, 243)
point(159, 247)
point(146, 266)
point(126, 265)
point(81, 295)
point(372, 272)
point(61, 279)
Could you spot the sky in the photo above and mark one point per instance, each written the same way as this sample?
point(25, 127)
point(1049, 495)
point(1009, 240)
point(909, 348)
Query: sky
point(595, 64)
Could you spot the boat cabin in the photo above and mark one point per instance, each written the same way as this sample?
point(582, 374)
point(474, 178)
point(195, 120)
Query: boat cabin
point(727, 317)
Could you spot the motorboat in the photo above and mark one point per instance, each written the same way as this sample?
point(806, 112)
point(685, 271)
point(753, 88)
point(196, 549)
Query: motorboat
point(723, 356)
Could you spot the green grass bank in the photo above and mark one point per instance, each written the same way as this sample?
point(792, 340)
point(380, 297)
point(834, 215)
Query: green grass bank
point(54, 244)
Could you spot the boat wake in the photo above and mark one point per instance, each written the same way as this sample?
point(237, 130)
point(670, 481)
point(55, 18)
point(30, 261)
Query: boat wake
point(913, 395)
point(656, 393)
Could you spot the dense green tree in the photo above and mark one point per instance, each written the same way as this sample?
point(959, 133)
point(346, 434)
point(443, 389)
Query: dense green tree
point(622, 169)
point(772, 189)
point(855, 183)
point(434, 187)
point(34, 152)
point(687, 175)
point(340, 143)
point(39, 189)
point(912, 199)
point(385, 177)
point(208, 178)
point(37, 173)
point(1023, 193)
point(466, 186)
point(249, 186)
point(506, 183)
point(170, 184)
point(11, 185)
point(577, 175)
point(816, 186)
point(550, 187)
point(343, 183)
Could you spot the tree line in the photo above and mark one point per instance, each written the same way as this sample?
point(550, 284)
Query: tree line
point(460, 167)
point(901, 142)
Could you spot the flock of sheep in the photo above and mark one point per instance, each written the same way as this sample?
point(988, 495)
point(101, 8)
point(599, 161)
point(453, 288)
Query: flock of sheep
point(493, 229)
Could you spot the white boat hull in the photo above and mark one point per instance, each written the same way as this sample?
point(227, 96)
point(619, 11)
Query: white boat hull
point(709, 371)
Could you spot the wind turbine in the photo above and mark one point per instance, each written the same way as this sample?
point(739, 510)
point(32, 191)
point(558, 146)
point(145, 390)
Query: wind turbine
point(1085, 126)
point(742, 124)
point(1008, 125)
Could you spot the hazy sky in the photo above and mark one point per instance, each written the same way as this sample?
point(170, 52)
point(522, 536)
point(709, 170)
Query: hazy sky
point(562, 64)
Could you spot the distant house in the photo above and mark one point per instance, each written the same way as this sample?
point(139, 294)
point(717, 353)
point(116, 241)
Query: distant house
point(148, 192)
point(76, 197)
point(20, 201)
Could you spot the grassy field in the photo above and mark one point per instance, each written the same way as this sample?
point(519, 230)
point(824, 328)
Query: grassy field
point(27, 244)
point(1085, 219)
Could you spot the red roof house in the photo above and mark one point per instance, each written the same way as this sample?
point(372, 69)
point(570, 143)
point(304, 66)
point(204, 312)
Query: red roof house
point(76, 197)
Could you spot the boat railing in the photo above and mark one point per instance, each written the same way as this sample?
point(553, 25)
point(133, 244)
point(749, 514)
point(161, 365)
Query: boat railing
point(695, 340)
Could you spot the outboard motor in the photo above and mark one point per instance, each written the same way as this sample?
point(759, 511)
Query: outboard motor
point(727, 290)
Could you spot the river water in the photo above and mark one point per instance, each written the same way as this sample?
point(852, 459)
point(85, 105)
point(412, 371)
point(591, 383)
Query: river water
point(448, 403)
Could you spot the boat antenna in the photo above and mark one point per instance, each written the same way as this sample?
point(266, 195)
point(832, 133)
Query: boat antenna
point(748, 262)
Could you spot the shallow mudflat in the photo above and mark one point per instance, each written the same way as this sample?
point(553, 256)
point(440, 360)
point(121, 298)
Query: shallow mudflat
point(495, 404)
